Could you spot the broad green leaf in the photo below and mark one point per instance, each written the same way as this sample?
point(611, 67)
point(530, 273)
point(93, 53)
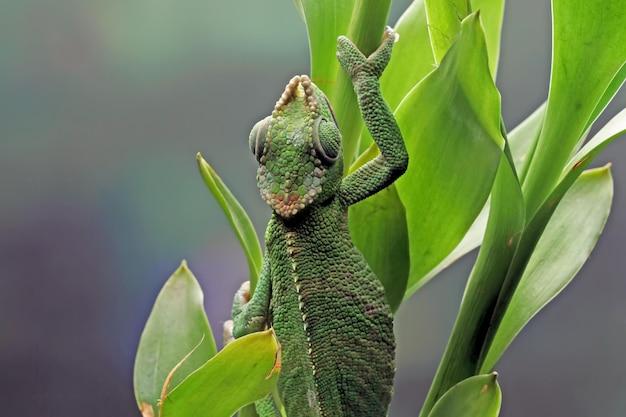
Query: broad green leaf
point(520, 140)
point(244, 371)
point(176, 325)
point(504, 229)
point(238, 218)
point(472, 239)
point(477, 396)
point(444, 23)
point(588, 51)
point(451, 125)
point(561, 251)
point(378, 229)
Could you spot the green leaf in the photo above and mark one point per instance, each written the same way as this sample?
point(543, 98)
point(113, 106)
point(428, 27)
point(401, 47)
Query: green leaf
point(491, 13)
point(238, 218)
point(611, 131)
point(477, 396)
point(378, 229)
point(176, 325)
point(609, 93)
point(504, 229)
point(244, 371)
point(561, 251)
point(524, 137)
point(248, 411)
point(577, 164)
point(537, 224)
point(472, 239)
point(325, 20)
point(588, 51)
point(454, 155)
point(444, 23)
point(412, 56)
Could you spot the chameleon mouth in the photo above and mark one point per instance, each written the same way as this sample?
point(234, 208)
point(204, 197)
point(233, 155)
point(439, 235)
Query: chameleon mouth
point(287, 207)
point(290, 196)
point(287, 202)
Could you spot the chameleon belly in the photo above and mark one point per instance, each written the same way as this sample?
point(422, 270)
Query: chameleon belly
point(332, 320)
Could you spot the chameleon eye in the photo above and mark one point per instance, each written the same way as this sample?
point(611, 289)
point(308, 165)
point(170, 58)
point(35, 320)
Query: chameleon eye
point(257, 137)
point(326, 140)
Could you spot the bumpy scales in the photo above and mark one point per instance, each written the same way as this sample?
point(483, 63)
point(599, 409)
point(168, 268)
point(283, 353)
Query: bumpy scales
point(325, 304)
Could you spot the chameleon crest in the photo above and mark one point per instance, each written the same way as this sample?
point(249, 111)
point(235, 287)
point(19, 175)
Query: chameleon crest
point(298, 149)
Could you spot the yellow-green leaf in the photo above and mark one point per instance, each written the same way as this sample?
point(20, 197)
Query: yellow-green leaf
point(477, 396)
point(176, 326)
point(245, 371)
point(238, 218)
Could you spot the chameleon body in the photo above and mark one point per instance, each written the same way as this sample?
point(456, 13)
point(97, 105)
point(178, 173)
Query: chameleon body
point(327, 308)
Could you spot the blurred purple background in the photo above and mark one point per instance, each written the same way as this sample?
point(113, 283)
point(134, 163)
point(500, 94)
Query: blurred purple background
point(103, 108)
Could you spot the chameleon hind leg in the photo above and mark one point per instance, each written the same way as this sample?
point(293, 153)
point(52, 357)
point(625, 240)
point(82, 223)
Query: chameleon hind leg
point(251, 315)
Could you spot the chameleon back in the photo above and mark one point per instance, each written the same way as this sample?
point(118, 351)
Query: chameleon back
point(331, 317)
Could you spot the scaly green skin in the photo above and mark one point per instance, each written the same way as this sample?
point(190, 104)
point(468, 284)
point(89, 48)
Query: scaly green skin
point(325, 304)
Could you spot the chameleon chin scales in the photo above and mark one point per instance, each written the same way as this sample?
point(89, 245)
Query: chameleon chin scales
point(327, 308)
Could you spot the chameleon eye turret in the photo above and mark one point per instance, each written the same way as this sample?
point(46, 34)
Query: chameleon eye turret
point(257, 137)
point(326, 140)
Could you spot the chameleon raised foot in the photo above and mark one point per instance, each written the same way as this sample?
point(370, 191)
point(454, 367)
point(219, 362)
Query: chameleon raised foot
point(327, 308)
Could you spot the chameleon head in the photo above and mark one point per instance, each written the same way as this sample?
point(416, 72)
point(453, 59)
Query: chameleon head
point(298, 149)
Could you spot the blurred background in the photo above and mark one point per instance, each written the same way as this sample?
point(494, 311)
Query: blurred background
point(104, 105)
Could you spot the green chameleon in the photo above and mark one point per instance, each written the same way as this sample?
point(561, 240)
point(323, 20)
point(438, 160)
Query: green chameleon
point(327, 308)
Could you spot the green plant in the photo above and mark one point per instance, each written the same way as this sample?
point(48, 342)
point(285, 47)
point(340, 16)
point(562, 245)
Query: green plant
point(529, 202)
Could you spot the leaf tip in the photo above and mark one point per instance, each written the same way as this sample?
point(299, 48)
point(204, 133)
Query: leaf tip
point(183, 267)
point(146, 409)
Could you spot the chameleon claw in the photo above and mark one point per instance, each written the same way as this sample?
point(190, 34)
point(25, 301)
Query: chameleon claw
point(227, 332)
point(355, 63)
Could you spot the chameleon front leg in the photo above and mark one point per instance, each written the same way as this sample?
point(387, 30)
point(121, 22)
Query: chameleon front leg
point(365, 73)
